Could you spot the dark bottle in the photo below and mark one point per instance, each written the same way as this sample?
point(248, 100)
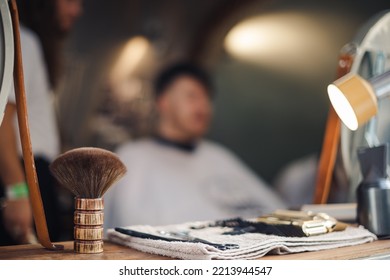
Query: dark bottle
point(373, 206)
point(373, 193)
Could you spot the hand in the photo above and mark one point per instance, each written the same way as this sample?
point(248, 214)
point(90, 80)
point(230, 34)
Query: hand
point(17, 218)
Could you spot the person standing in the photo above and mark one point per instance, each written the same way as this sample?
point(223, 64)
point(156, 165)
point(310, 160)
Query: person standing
point(44, 23)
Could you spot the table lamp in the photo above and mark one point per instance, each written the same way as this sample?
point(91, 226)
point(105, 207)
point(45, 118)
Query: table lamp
point(355, 101)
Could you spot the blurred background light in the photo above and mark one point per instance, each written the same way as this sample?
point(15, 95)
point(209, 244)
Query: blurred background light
point(280, 40)
point(122, 77)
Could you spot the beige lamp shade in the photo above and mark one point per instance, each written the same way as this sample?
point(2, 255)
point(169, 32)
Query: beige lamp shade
point(353, 99)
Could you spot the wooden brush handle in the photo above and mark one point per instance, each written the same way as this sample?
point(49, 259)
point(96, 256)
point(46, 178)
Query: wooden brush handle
point(88, 218)
point(29, 165)
point(88, 232)
point(89, 204)
point(88, 247)
point(88, 229)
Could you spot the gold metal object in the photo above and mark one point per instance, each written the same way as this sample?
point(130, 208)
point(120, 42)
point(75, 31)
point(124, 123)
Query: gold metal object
point(311, 223)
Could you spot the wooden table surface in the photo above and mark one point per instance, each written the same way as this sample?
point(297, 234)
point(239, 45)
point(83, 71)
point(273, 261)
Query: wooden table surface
point(116, 252)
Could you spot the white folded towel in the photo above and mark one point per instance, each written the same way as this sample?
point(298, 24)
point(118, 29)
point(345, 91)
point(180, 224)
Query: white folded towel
point(251, 245)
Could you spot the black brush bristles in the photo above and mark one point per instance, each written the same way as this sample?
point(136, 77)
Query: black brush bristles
point(88, 172)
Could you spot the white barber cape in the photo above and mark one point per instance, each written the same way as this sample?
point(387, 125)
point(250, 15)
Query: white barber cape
point(168, 185)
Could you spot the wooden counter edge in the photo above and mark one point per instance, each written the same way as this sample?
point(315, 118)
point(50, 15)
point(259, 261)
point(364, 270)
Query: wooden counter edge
point(117, 252)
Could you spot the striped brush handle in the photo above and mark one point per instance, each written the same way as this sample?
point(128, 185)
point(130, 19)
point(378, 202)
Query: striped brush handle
point(88, 229)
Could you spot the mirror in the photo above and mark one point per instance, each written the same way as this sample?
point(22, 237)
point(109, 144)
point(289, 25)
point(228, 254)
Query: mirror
point(372, 58)
point(6, 56)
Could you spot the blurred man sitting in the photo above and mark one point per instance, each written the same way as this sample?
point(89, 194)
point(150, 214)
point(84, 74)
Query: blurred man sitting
point(177, 176)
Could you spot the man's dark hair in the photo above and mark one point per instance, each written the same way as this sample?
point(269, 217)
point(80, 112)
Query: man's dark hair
point(170, 74)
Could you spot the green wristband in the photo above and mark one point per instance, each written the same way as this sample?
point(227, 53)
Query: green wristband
point(17, 191)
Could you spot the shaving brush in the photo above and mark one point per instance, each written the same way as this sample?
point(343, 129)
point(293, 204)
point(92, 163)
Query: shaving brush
point(88, 173)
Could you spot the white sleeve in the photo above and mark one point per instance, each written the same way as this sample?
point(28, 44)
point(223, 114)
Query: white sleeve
point(34, 68)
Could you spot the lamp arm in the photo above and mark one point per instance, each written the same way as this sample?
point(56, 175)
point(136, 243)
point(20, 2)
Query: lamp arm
point(381, 85)
point(370, 132)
